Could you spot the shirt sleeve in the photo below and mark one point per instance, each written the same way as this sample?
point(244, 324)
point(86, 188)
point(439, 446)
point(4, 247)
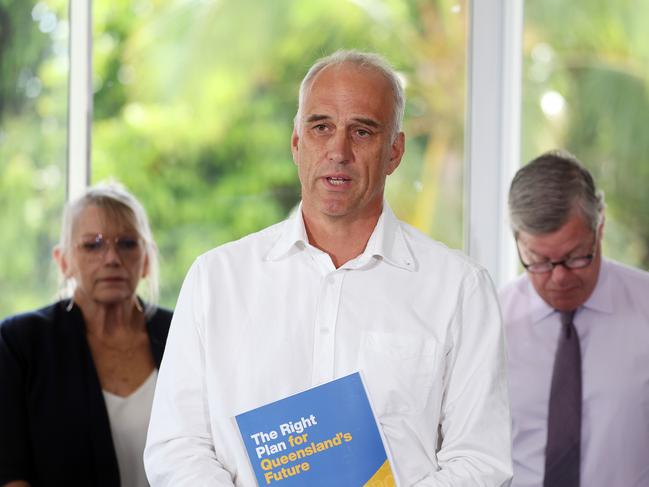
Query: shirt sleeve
point(179, 450)
point(475, 421)
point(14, 437)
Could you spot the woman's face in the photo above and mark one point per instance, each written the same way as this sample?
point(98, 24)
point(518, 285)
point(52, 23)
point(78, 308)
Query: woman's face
point(106, 259)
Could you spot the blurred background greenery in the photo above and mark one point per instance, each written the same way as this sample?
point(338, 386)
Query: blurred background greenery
point(586, 88)
point(194, 101)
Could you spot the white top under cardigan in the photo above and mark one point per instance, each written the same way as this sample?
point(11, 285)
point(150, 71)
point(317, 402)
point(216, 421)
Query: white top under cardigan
point(129, 421)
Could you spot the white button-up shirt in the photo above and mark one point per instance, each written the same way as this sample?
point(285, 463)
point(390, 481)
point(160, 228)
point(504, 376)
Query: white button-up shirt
point(269, 315)
point(613, 329)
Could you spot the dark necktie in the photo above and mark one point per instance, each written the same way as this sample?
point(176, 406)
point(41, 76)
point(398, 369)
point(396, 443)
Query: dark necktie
point(564, 413)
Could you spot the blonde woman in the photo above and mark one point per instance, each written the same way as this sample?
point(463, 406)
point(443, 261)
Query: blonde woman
point(77, 377)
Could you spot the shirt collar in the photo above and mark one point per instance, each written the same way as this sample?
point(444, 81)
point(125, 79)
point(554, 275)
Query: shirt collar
point(539, 309)
point(387, 241)
point(292, 238)
point(602, 297)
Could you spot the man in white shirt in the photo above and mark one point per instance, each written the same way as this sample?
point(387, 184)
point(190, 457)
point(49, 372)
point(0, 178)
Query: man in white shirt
point(341, 285)
point(580, 417)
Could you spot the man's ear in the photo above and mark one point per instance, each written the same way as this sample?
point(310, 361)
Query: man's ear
point(295, 139)
point(396, 152)
point(600, 227)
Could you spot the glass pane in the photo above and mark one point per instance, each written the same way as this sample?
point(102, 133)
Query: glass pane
point(33, 138)
point(586, 89)
point(195, 99)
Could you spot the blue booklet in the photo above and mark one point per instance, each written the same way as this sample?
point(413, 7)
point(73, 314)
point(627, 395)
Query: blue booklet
point(324, 436)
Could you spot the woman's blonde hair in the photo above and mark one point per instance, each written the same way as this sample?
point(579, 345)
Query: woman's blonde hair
point(121, 206)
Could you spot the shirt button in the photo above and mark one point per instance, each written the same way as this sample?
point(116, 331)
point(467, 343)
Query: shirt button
point(330, 280)
point(324, 331)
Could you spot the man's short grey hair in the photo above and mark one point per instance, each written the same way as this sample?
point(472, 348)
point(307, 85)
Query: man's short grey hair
point(364, 60)
point(123, 208)
point(545, 193)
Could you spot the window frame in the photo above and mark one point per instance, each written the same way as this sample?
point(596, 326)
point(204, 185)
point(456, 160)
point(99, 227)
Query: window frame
point(492, 132)
point(79, 98)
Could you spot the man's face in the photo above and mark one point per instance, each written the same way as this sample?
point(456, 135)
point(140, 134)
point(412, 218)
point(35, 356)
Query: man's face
point(564, 289)
point(343, 145)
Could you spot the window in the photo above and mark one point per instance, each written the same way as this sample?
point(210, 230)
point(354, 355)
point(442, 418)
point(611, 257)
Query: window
point(194, 102)
point(33, 136)
point(586, 89)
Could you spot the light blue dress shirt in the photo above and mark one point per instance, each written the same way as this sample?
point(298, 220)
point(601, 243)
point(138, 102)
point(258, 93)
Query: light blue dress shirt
point(613, 328)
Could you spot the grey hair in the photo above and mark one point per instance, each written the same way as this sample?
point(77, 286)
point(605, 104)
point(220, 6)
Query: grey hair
point(545, 193)
point(123, 207)
point(365, 60)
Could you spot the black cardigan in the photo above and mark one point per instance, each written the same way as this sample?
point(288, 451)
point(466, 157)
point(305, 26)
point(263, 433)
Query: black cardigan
point(54, 427)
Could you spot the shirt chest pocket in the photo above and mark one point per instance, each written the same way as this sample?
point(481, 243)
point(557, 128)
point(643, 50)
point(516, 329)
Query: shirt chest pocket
point(399, 371)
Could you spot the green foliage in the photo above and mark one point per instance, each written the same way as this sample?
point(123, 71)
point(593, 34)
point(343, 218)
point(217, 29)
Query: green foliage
point(596, 55)
point(194, 102)
point(21, 49)
point(33, 112)
point(200, 129)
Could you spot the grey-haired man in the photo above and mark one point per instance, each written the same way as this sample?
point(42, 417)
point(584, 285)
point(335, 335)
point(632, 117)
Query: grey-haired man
point(577, 330)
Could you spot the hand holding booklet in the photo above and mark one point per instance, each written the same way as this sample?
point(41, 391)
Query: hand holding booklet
point(324, 436)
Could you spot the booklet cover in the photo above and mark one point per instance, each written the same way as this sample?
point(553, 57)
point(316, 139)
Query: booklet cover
point(324, 436)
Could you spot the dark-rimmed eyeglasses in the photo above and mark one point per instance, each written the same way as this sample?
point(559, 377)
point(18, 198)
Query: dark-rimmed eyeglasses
point(577, 262)
point(96, 246)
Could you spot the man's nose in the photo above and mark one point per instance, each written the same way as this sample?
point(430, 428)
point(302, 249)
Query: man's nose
point(560, 273)
point(339, 148)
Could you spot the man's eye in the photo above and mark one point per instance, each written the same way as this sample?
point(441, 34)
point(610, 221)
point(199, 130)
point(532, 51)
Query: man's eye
point(320, 127)
point(363, 133)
